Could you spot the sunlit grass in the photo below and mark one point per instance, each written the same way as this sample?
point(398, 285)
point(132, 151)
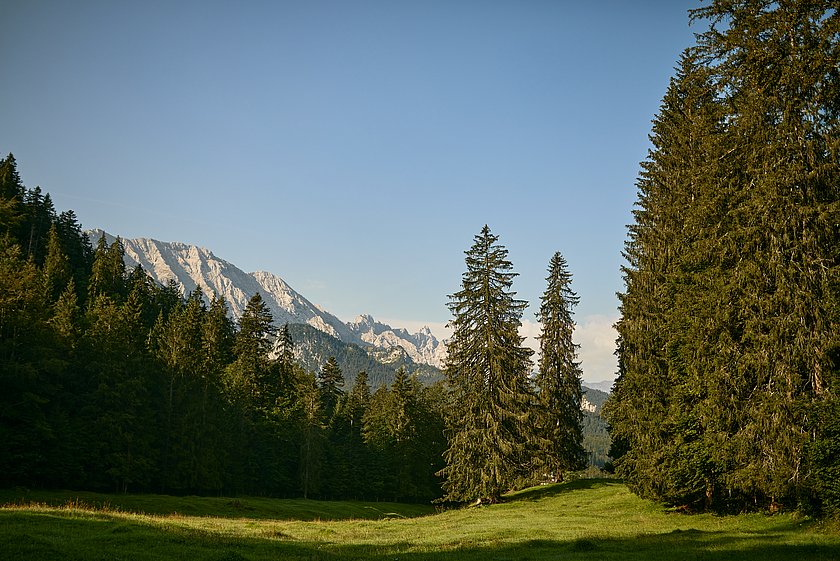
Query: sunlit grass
point(580, 520)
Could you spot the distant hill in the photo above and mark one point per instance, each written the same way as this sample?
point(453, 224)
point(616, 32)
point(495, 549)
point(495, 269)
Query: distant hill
point(604, 385)
point(313, 347)
point(596, 439)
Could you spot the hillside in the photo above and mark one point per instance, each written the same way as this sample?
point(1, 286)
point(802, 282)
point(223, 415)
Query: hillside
point(313, 347)
point(596, 438)
point(581, 520)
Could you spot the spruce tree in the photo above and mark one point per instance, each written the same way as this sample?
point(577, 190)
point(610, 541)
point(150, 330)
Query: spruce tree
point(558, 380)
point(490, 424)
point(729, 324)
point(57, 271)
point(108, 273)
point(673, 291)
point(330, 382)
point(251, 347)
point(11, 198)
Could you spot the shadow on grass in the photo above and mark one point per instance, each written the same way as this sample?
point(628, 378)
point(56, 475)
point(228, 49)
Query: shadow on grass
point(42, 536)
point(555, 489)
point(258, 508)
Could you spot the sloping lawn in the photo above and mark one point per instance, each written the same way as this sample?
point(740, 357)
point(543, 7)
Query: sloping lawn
point(592, 519)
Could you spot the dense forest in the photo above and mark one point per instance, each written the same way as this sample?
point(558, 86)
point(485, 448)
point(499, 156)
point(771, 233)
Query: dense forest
point(109, 381)
point(729, 348)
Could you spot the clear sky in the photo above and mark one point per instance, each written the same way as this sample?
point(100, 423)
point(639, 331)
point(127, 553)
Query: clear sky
point(354, 148)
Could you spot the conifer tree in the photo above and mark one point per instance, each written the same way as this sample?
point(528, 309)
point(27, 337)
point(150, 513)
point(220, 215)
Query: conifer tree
point(330, 382)
point(251, 347)
point(671, 310)
point(558, 379)
point(108, 273)
point(312, 437)
point(490, 426)
point(67, 318)
point(11, 197)
point(57, 271)
point(729, 321)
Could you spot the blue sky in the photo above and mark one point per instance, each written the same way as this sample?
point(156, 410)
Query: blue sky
point(352, 148)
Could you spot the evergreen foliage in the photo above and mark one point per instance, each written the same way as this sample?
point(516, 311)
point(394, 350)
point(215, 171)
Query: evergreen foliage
point(558, 380)
point(109, 381)
point(490, 421)
point(729, 330)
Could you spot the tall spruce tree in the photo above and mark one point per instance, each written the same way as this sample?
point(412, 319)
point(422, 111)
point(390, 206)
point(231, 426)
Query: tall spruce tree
point(330, 382)
point(558, 380)
point(729, 328)
point(490, 425)
point(673, 293)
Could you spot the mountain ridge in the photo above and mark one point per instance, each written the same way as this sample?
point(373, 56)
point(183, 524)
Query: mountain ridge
point(191, 267)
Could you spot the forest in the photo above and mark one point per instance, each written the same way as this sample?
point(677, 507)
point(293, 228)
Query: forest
point(111, 381)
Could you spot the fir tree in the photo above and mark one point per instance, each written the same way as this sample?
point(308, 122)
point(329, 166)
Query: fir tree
point(251, 347)
point(558, 380)
point(330, 382)
point(11, 197)
point(729, 322)
point(108, 273)
point(490, 426)
point(57, 271)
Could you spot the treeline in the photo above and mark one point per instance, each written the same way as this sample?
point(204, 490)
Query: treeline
point(729, 349)
point(109, 381)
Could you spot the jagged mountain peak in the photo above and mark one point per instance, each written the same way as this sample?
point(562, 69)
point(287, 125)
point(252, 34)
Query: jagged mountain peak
point(422, 346)
point(191, 266)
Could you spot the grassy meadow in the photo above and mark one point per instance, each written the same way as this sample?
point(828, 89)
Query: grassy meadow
point(586, 519)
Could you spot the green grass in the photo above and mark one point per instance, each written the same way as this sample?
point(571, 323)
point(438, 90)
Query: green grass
point(592, 520)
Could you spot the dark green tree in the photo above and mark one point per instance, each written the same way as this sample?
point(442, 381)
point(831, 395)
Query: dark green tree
point(108, 274)
point(251, 349)
point(490, 425)
point(57, 272)
point(312, 440)
point(558, 379)
point(330, 382)
point(728, 335)
point(11, 198)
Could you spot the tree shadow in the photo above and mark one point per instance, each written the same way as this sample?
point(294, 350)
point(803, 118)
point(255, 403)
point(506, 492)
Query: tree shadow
point(555, 489)
point(48, 535)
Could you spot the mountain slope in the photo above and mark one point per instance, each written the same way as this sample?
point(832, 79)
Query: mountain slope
point(191, 266)
point(422, 346)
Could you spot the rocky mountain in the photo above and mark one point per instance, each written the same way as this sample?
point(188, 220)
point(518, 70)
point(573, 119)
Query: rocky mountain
point(422, 346)
point(191, 266)
point(313, 347)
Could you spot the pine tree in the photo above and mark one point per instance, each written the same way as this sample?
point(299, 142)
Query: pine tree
point(673, 295)
point(252, 346)
point(108, 273)
point(312, 437)
point(558, 380)
point(57, 271)
point(11, 198)
point(67, 317)
point(490, 425)
point(330, 382)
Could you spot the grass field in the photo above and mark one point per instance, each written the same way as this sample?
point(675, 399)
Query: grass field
point(588, 519)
